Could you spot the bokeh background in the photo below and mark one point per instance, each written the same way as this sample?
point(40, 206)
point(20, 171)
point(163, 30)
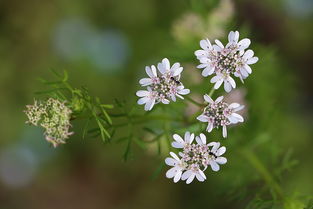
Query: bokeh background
point(105, 45)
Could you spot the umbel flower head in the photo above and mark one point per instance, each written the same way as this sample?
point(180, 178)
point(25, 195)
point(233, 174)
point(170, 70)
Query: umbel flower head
point(225, 61)
point(195, 158)
point(163, 84)
point(54, 116)
point(220, 114)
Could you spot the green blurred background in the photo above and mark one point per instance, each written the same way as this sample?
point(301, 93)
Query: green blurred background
point(105, 46)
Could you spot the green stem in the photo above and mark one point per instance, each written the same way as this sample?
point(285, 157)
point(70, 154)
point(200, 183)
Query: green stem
point(263, 171)
point(211, 92)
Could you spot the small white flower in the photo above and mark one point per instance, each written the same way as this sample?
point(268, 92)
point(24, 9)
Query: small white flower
point(215, 156)
point(178, 167)
point(180, 143)
point(195, 158)
point(220, 114)
point(226, 61)
point(162, 85)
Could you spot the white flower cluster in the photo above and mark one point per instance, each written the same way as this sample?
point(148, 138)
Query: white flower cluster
point(220, 114)
point(194, 158)
point(54, 116)
point(163, 84)
point(226, 61)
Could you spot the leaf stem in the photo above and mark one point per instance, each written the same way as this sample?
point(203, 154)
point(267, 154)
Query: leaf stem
point(193, 101)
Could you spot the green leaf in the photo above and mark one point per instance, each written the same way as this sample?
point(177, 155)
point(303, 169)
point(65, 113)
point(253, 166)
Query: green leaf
point(127, 150)
point(157, 171)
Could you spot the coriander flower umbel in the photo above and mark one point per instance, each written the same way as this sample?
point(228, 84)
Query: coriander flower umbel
point(226, 61)
point(162, 85)
point(195, 158)
point(220, 114)
point(54, 116)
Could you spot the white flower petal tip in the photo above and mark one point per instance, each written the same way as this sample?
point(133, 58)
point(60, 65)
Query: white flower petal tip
point(194, 158)
point(163, 85)
point(227, 61)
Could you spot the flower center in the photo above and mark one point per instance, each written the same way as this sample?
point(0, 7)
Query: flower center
point(165, 86)
point(217, 112)
point(196, 156)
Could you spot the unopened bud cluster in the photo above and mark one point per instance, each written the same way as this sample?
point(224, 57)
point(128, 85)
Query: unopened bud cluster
point(54, 116)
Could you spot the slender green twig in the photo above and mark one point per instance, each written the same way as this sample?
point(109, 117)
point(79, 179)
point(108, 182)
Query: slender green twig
point(211, 92)
point(193, 101)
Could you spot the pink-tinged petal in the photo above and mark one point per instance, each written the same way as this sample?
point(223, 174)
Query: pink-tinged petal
point(186, 175)
point(142, 93)
point(221, 160)
point(205, 44)
point(220, 151)
point(214, 166)
point(142, 100)
point(248, 54)
point(171, 172)
point(145, 81)
point(224, 131)
point(170, 161)
point(190, 179)
point(219, 43)
point(209, 127)
point(252, 60)
point(219, 99)
point(177, 176)
point(208, 99)
point(218, 84)
point(243, 44)
point(184, 91)
point(227, 86)
point(203, 118)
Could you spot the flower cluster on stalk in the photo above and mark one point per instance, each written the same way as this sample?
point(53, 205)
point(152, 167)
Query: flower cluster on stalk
point(194, 158)
point(220, 114)
point(163, 85)
point(226, 61)
point(52, 115)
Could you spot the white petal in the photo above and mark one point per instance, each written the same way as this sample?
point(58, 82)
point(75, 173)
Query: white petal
point(214, 166)
point(190, 179)
point(248, 54)
point(252, 60)
point(170, 161)
point(149, 72)
point(166, 63)
point(203, 118)
point(198, 140)
point(186, 175)
point(208, 99)
point(218, 84)
point(202, 174)
point(184, 91)
point(145, 81)
point(142, 93)
point(178, 71)
point(243, 44)
point(174, 156)
point(224, 132)
point(177, 145)
point(149, 105)
point(178, 138)
point(227, 86)
point(221, 160)
point(219, 43)
point(247, 68)
point(231, 36)
point(142, 100)
point(219, 99)
point(209, 127)
point(208, 71)
point(239, 117)
point(200, 53)
point(233, 105)
point(232, 82)
point(239, 108)
point(203, 65)
point(177, 176)
point(215, 147)
point(162, 68)
point(199, 177)
point(203, 138)
point(236, 36)
point(220, 151)
point(171, 172)
point(205, 44)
